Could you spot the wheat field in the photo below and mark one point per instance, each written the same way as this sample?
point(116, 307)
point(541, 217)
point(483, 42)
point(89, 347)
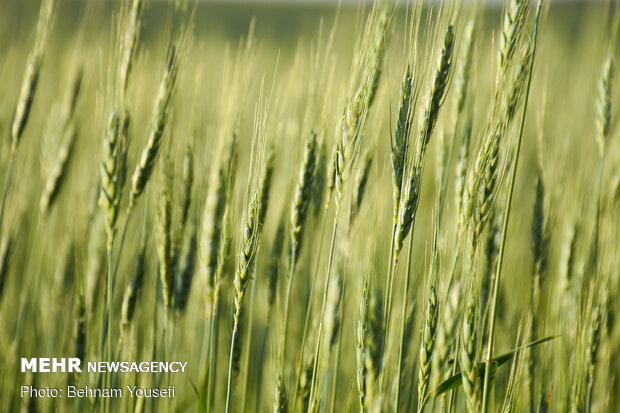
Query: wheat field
point(402, 206)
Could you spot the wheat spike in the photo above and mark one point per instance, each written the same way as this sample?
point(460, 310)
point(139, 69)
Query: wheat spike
point(514, 19)
point(211, 238)
point(461, 171)
point(31, 75)
point(332, 310)
point(360, 347)
point(164, 242)
point(110, 188)
point(129, 43)
point(427, 345)
point(446, 333)
point(468, 359)
point(401, 138)
point(280, 403)
point(603, 103)
point(319, 180)
point(359, 189)
point(435, 98)
point(303, 195)
point(594, 339)
point(331, 177)
point(187, 181)
point(133, 290)
point(246, 258)
point(58, 172)
point(265, 186)
point(305, 381)
point(373, 359)
point(463, 73)
point(148, 156)
point(274, 269)
point(186, 270)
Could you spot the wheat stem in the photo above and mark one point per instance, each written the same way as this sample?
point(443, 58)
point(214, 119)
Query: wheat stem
point(389, 286)
point(286, 311)
point(323, 305)
point(248, 349)
point(7, 182)
point(401, 348)
point(304, 335)
point(332, 404)
point(489, 350)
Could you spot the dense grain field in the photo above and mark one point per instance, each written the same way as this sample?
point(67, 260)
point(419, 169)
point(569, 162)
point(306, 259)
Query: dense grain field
point(397, 207)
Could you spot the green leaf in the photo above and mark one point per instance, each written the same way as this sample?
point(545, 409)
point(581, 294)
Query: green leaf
point(201, 401)
point(457, 380)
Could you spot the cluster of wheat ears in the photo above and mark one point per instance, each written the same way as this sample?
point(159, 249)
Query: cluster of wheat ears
point(228, 204)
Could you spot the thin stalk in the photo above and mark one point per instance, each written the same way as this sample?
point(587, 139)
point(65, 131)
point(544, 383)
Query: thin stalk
point(598, 210)
point(161, 379)
point(248, 348)
point(108, 310)
point(318, 338)
point(334, 384)
point(389, 286)
point(172, 325)
point(404, 318)
point(7, 182)
point(230, 363)
point(105, 321)
point(388, 306)
point(500, 260)
point(155, 350)
point(203, 405)
point(105, 338)
point(286, 309)
point(307, 320)
point(213, 345)
point(170, 329)
point(387, 316)
point(390, 278)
